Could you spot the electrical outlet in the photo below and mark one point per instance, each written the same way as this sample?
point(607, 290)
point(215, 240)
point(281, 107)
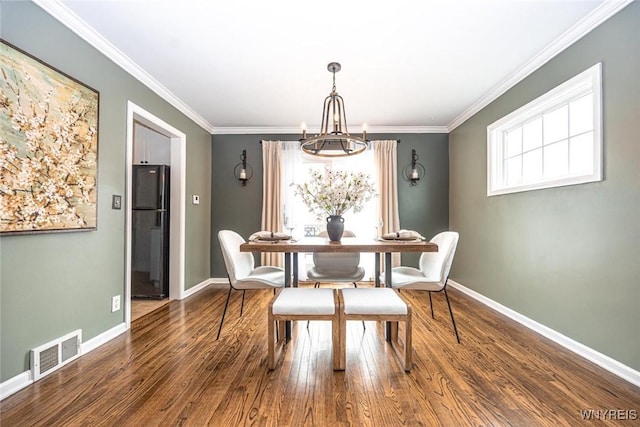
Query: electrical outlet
point(115, 303)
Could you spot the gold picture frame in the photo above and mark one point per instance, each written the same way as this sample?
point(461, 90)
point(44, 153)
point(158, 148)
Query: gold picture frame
point(48, 147)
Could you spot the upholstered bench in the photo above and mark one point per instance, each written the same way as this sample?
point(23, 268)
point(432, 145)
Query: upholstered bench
point(383, 304)
point(303, 304)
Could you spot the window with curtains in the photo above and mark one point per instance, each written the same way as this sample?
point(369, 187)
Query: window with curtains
point(296, 170)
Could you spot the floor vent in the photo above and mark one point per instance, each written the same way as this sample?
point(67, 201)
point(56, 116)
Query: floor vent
point(55, 354)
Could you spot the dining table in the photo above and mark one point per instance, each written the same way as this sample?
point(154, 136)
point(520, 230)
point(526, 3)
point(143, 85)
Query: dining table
point(292, 247)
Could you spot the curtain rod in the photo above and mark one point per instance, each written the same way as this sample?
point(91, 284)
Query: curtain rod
point(397, 140)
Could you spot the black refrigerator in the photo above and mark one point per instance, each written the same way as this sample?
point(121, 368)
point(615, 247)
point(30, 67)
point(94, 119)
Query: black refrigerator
point(150, 232)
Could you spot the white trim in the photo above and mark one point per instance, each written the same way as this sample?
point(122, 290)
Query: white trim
point(20, 381)
point(15, 384)
point(178, 202)
point(588, 81)
point(596, 17)
point(407, 129)
point(296, 130)
point(197, 288)
point(219, 282)
point(103, 338)
point(623, 371)
point(72, 21)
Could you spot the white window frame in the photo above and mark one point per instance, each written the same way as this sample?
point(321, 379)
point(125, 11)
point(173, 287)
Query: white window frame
point(589, 81)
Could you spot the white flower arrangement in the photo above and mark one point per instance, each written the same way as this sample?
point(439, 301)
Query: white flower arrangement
point(335, 192)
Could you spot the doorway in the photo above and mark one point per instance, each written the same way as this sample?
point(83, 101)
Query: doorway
point(136, 114)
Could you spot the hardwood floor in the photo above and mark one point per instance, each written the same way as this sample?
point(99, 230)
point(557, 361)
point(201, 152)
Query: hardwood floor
point(142, 307)
point(169, 370)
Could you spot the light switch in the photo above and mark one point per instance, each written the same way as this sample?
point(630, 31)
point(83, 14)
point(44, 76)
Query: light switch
point(116, 201)
point(195, 199)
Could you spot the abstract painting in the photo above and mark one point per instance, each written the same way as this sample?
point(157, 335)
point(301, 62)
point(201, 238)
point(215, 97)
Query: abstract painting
point(48, 147)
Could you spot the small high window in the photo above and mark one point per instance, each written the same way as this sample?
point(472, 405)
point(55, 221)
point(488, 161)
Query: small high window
point(552, 141)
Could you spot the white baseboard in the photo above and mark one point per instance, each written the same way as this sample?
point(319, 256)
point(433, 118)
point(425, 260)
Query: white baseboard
point(15, 384)
point(20, 381)
point(196, 288)
point(103, 338)
point(24, 379)
point(220, 282)
point(200, 286)
point(623, 371)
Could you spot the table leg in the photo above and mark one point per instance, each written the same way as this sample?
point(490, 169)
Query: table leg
point(295, 269)
point(377, 269)
point(287, 284)
point(387, 282)
point(287, 269)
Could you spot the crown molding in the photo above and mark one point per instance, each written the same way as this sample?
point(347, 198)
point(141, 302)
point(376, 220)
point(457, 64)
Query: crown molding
point(72, 21)
point(271, 130)
point(407, 129)
point(63, 14)
point(596, 17)
point(255, 130)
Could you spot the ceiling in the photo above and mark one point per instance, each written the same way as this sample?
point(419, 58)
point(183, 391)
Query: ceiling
point(249, 66)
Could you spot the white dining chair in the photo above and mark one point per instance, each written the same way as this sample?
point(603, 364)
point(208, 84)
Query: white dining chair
point(342, 267)
point(433, 273)
point(241, 270)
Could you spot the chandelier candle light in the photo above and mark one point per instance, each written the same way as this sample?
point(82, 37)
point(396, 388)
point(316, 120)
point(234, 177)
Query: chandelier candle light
point(333, 193)
point(338, 142)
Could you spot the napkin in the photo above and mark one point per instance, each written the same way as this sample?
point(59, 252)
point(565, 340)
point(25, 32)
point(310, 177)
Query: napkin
point(268, 235)
point(403, 235)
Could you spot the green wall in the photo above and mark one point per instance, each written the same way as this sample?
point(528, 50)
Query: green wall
point(566, 257)
point(52, 284)
point(424, 207)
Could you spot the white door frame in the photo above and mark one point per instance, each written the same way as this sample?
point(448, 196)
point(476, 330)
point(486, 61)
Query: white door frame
point(177, 208)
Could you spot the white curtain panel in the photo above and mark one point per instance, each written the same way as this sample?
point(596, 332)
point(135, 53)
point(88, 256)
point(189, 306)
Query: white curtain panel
point(272, 215)
point(385, 156)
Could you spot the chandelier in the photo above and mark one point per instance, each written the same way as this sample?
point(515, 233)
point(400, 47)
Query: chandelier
point(337, 142)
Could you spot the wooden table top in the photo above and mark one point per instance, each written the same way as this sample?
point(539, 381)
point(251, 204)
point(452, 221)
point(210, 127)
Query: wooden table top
point(347, 244)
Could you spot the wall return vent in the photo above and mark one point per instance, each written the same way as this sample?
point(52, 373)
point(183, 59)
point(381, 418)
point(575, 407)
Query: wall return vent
point(55, 354)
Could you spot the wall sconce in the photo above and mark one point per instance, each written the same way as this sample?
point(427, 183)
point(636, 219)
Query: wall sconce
point(243, 172)
point(415, 171)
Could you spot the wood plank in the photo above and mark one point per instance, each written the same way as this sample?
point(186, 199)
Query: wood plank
point(347, 244)
point(169, 369)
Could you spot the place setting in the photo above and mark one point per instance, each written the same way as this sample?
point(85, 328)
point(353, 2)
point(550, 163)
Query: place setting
point(402, 236)
point(269, 236)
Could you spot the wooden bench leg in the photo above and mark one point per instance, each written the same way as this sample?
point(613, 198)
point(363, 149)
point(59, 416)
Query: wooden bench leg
point(407, 341)
point(275, 344)
point(340, 344)
point(336, 345)
point(281, 330)
point(271, 341)
point(394, 331)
